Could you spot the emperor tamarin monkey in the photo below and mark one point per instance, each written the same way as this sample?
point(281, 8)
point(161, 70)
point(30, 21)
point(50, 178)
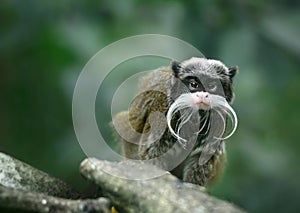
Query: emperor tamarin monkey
point(197, 87)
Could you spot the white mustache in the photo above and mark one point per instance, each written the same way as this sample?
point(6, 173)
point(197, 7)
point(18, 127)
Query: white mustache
point(186, 105)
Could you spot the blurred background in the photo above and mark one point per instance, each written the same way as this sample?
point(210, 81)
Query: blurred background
point(45, 45)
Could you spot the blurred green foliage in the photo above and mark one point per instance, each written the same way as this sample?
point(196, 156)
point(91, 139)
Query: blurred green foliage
point(44, 46)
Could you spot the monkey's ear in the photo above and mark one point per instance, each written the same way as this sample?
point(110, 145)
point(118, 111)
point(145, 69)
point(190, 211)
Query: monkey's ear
point(233, 71)
point(175, 66)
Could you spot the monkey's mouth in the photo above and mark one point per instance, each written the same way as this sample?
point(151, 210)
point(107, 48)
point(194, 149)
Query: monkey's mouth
point(202, 105)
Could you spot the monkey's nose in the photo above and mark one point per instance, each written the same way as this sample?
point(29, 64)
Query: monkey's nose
point(201, 99)
point(202, 96)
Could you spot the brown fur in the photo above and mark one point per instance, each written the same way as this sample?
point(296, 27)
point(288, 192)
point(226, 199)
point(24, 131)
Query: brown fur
point(154, 95)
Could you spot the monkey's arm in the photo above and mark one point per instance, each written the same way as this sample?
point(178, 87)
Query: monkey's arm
point(134, 123)
point(207, 173)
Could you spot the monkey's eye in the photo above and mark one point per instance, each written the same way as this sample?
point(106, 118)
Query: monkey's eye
point(194, 84)
point(212, 86)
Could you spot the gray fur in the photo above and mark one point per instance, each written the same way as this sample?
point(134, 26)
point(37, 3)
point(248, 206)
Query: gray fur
point(165, 81)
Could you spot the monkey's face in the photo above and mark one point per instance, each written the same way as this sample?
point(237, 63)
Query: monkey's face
point(204, 88)
point(204, 75)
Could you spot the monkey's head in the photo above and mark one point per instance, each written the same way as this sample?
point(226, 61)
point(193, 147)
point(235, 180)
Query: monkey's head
point(203, 86)
point(206, 75)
